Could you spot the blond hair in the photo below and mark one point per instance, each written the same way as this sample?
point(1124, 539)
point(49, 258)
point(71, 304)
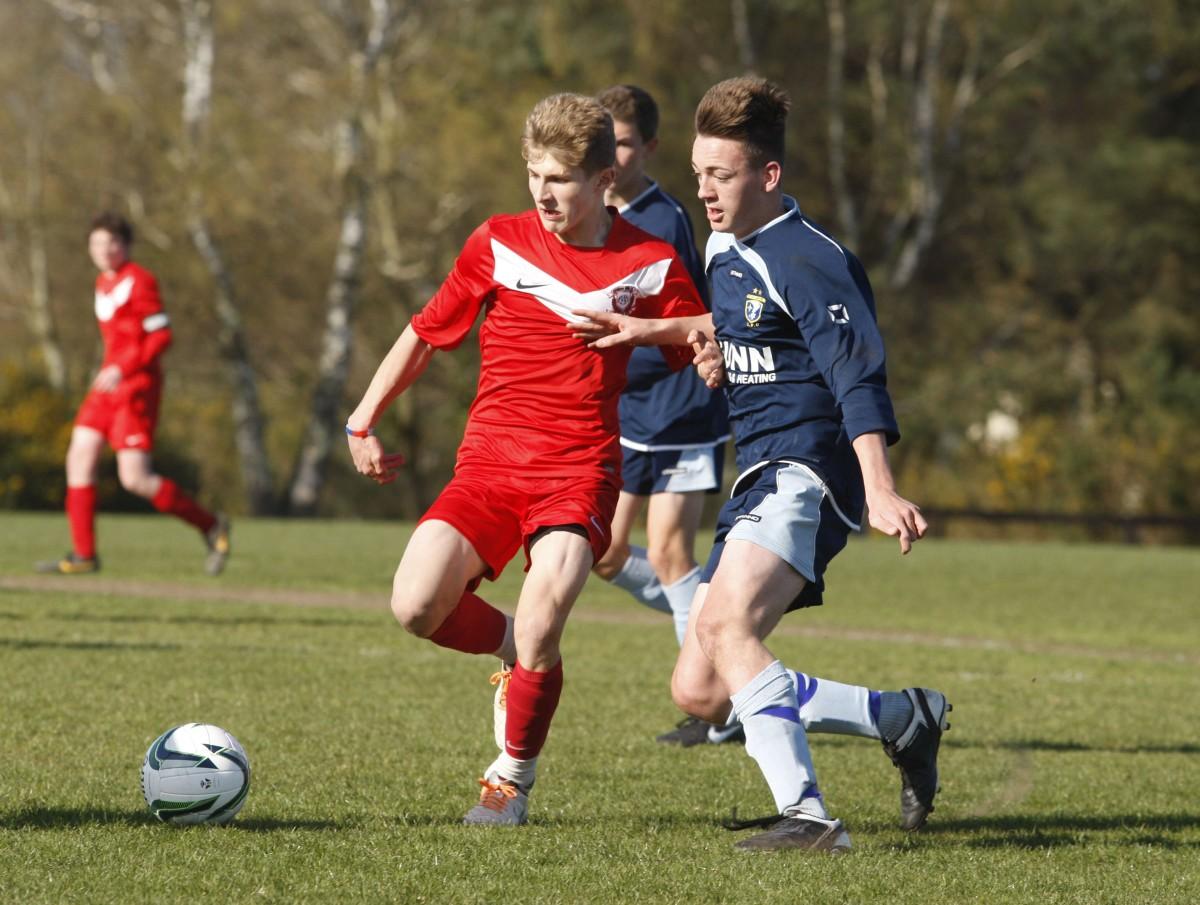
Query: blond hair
point(576, 129)
point(750, 110)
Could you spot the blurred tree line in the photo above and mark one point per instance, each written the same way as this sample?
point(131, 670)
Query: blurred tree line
point(1021, 178)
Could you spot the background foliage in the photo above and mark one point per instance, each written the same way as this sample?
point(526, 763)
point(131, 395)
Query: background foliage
point(1021, 179)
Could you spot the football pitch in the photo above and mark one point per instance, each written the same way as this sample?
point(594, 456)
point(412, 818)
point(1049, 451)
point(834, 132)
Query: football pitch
point(1070, 774)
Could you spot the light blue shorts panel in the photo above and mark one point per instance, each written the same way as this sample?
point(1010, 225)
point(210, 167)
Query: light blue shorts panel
point(647, 472)
point(783, 507)
point(786, 521)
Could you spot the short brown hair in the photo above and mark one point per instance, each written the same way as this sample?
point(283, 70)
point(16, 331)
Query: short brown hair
point(113, 224)
point(631, 104)
point(575, 128)
point(750, 110)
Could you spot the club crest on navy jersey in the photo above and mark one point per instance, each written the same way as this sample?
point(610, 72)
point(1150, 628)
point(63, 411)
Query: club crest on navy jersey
point(755, 303)
point(624, 298)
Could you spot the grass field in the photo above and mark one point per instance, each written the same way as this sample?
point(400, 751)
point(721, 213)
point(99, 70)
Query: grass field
point(1070, 775)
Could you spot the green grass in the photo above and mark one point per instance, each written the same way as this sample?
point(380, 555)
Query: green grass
point(1069, 776)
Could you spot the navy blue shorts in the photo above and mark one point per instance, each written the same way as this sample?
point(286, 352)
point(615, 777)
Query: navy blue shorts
point(672, 470)
point(784, 508)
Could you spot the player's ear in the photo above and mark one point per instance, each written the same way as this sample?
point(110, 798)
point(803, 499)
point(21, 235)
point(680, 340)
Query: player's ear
point(605, 178)
point(651, 146)
point(772, 175)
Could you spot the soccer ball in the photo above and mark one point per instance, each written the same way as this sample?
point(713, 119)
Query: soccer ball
point(195, 773)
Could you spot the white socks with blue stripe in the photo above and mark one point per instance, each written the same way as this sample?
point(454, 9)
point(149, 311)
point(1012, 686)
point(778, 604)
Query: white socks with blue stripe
point(679, 595)
point(828, 706)
point(770, 713)
point(637, 577)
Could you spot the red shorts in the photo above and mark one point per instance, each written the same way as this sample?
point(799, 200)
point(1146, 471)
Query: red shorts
point(127, 418)
point(499, 514)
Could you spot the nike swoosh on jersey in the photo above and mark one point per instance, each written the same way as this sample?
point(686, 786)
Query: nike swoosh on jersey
point(107, 303)
point(511, 270)
point(523, 285)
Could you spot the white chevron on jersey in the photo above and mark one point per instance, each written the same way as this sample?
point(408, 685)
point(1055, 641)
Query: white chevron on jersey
point(514, 272)
point(108, 302)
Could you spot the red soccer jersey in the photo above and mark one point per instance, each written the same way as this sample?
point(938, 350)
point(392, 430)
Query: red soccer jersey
point(133, 324)
point(547, 404)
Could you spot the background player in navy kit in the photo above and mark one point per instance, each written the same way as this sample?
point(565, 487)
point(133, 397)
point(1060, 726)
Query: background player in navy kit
point(673, 428)
point(803, 363)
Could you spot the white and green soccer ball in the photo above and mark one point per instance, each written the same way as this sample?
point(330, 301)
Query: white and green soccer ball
point(195, 773)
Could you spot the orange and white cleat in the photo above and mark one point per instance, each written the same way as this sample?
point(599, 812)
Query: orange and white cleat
point(219, 545)
point(69, 564)
point(501, 803)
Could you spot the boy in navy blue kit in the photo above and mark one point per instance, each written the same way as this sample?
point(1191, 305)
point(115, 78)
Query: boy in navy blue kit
point(673, 427)
point(797, 348)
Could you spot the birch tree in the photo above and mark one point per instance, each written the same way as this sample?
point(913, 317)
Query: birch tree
point(371, 38)
point(248, 420)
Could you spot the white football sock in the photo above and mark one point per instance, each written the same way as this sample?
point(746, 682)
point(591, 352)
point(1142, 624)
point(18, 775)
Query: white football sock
point(775, 739)
point(828, 706)
point(638, 578)
point(507, 651)
point(679, 596)
point(522, 772)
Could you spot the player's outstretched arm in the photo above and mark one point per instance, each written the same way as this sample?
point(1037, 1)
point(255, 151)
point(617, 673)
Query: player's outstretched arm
point(605, 329)
point(404, 363)
point(889, 512)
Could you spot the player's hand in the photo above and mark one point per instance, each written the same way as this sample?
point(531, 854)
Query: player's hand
point(897, 517)
point(370, 459)
point(709, 362)
point(107, 379)
point(606, 329)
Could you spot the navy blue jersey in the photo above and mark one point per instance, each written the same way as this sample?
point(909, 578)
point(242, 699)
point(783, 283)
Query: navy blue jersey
point(660, 408)
point(795, 318)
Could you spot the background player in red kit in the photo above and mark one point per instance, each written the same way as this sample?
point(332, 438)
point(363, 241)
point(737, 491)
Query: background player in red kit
point(539, 464)
point(122, 406)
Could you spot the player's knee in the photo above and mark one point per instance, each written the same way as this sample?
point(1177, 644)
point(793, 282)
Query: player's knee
point(612, 561)
point(716, 632)
point(137, 483)
point(537, 636)
point(80, 464)
point(698, 696)
point(670, 558)
point(415, 611)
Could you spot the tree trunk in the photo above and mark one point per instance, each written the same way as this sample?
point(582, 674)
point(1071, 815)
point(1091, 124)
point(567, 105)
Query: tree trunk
point(41, 318)
point(325, 416)
point(249, 425)
point(324, 423)
point(835, 94)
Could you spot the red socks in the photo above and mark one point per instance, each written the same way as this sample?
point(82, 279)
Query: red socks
point(81, 513)
point(532, 700)
point(172, 500)
point(473, 627)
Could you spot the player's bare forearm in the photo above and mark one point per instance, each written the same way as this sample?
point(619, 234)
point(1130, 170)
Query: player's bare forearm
point(888, 511)
point(403, 364)
point(605, 329)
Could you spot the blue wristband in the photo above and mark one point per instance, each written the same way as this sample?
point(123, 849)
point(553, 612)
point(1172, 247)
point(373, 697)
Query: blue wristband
point(351, 432)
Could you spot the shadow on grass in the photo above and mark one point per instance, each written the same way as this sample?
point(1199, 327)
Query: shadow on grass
point(1042, 744)
point(152, 618)
point(34, 644)
point(61, 818)
point(583, 821)
point(1060, 830)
